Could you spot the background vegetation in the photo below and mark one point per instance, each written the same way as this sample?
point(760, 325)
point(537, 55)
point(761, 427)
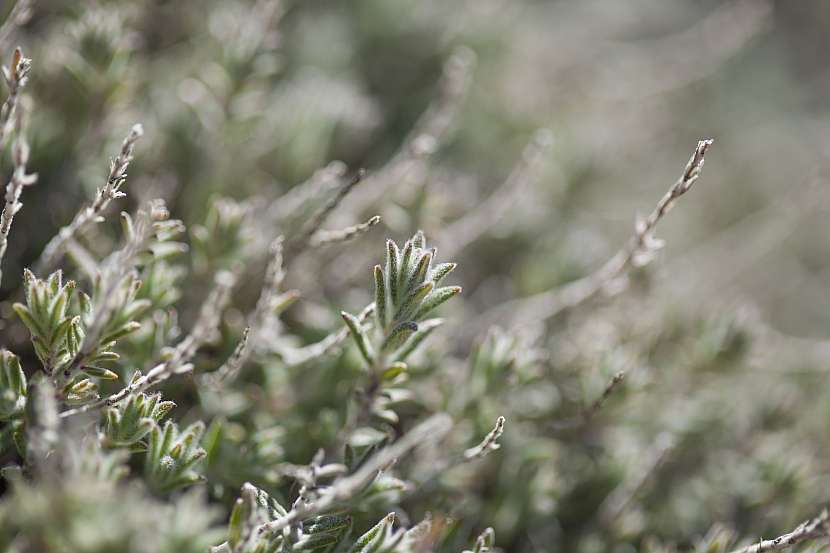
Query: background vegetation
point(673, 401)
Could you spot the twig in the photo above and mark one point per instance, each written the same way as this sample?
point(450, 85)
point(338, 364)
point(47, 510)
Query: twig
point(431, 430)
point(252, 338)
point(638, 251)
point(19, 179)
point(818, 527)
point(327, 237)
point(119, 265)
point(323, 181)
point(314, 222)
point(591, 411)
point(103, 196)
point(488, 444)
point(15, 76)
point(231, 367)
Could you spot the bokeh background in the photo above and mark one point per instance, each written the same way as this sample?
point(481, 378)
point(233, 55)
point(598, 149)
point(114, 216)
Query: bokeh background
point(721, 420)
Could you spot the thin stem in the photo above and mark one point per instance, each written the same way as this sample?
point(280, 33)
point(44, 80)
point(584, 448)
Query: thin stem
point(637, 251)
point(818, 527)
point(103, 196)
point(19, 179)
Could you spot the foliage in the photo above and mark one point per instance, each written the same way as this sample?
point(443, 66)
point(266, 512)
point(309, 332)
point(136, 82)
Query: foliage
point(185, 383)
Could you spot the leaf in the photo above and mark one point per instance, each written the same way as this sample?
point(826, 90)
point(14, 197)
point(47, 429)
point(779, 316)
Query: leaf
point(380, 297)
point(392, 274)
point(359, 336)
point(435, 299)
point(398, 336)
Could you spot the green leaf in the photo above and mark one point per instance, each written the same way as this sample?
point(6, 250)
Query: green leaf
point(359, 336)
point(392, 274)
point(435, 299)
point(398, 336)
point(380, 297)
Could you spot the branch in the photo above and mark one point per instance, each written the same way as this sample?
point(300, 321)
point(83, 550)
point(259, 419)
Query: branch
point(328, 237)
point(15, 76)
point(312, 225)
point(19, 179)
point(103, 196)
point(488, 444)
point(431, 430)
point(590, 412)
point(818, 527)
point(638, 251)
point(616, 502)
point(269, 305)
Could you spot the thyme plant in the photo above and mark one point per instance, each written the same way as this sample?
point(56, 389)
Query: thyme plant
point(255, 362)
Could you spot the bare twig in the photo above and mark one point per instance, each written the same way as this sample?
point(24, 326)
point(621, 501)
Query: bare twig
point(19, 179)
point(488, 444)
point(91, 213)
point(326, 237)
point(231, 367)
point(322, 182)
point(116, 268)
point(430, 431)
point(15, 76)
point(595, 407)
point(312, 225)
point(638, 251)
point(818, 527)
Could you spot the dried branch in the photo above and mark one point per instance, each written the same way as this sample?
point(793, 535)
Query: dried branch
point(430, 431)
point(15, 76)
point(19, 179)
point(327, 237)
point(103, 196)
point(818, 527)
point(312, 225)
point(595, 407)
point(117, 267)
point(489, 443)
point(638, 251)
point(231, 367)
point(323, 181)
